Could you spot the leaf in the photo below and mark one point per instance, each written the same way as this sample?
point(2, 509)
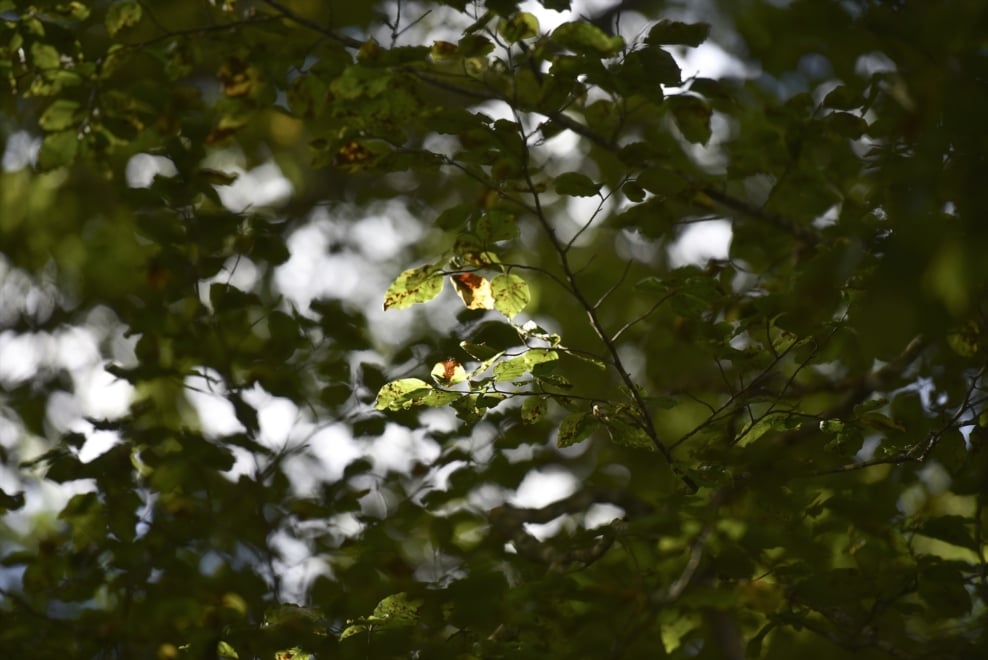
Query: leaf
point(416, 285)
point(58, 149)
point(587, 39)
point(952, 529)
point(846, 125)
point(122, 15)
point(497, 225)
point(511, 294)
point(480, 351)
point(217, 177)
point(576, 184)
point(398, 608)
point(692, 117)
point(61, 114)
point(766, 424)
point(454, 217)
point(521, 25)
point(880, 422)
point(661, 181)
point(449, 372)
point(473, 290)
point(533, 409)
point(943, 588)
point(586, 357)
point(224, 650)
point(401, 394)
point(473, 251)
point(11, 502)
point(668, 32)
point(516, 367)
point(74, 10)
point(648, 68)
point(576, 428)
point(628, 435)
point(633, 191)
point(45, 56)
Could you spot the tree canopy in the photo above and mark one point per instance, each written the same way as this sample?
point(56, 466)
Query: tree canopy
point(382, 329)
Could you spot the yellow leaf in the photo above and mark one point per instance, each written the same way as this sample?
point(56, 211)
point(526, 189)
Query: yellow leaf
point(473, 290)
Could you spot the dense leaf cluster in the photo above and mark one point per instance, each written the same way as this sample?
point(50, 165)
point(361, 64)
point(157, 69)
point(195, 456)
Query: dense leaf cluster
point(774, 453)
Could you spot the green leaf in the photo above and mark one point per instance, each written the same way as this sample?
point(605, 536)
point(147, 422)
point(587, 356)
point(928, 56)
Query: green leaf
point(60, 115)
point(122, 14)
point(692, 117)
point(58, 149)
point(398, 608)
point(521, 25)
point(480, 351)
point(628, 435)
point(842, 97)
point(576, 428)
point(516, 367)
point(648, 68)
point(511, 294)
point(497, 225)
point(413, 286)
point(943, 588)
point(10, 502)
point(952, 529)
point(455, 217)
point(767, 424)
point(533, 409)
point(846, 124)
point(402, 394)
point(633, 191)
point(45, 56)
point(587, 39)
point(662, 181)
point(670, 33)
point(576, 184)
point(224, 650)
point(75, 10)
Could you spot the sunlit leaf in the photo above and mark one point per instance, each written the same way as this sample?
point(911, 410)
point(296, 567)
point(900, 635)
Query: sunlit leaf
point(516, 367)
point(416, 285)
point(396, 394)
point(449, 372)
point(533, 409)
point(511, 294)
point(474, 290)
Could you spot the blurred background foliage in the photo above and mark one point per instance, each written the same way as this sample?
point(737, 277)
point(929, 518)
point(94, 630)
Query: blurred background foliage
point(203, 203)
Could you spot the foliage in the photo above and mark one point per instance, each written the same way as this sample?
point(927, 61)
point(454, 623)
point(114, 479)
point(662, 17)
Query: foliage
point(775, 454)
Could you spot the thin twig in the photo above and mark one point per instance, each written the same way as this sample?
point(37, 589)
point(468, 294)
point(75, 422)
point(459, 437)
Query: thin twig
point(645, 417)
point(341, 39)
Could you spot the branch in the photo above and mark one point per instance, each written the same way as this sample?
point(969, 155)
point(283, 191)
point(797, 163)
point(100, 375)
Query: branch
point(919, 452)
point(645, 417)
point(678, 586)
point(341, 39)
point(509, 524)
point(725, 200)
